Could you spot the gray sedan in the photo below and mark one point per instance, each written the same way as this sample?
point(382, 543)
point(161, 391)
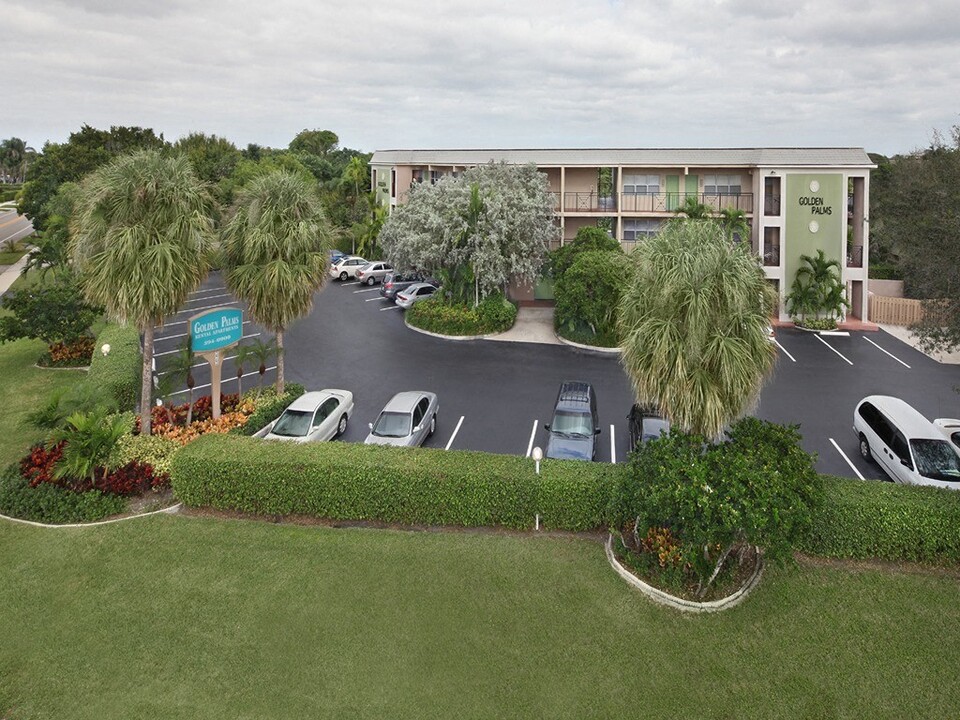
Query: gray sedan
point(406, 421)
point(414, 294)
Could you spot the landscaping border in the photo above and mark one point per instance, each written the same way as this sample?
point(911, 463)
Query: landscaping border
point(449, 337)
point(662, 598)
point(591, 348)
point(169, 510)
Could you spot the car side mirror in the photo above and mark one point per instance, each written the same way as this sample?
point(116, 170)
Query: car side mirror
point(418, 428)
point(546, 426)
point(596, 431)
point(370, 425)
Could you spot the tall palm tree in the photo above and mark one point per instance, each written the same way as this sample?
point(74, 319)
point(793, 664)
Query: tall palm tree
point(141, 243)
point(693, 209)
point(180, 367)
point(817, 287)
point(263, 352)
point(734, 222)
point(276, 251)
point(693, 320)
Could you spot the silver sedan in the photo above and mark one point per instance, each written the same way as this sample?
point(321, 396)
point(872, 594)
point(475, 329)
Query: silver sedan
point(312, 417)
point(414, 294)
point(406, 421)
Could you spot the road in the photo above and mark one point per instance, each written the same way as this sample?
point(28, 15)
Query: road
point(13, 227)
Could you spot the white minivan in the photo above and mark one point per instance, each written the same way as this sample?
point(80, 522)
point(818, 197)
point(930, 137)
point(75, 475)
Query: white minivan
point(909, 448)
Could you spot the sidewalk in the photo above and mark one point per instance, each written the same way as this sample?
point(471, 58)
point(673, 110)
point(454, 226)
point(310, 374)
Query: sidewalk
point(533, 325)
point(12, 273)
point(904, 334)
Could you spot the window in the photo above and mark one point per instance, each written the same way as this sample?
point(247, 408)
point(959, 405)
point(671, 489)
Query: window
point(418, 175)
point(721, 185)
point(638, 228)
point(900, 449)
point(641, 184)
point(419, 411)
point(435, 176)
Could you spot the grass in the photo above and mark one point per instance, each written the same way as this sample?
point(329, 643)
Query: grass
point(210, 618)
point(9, 258)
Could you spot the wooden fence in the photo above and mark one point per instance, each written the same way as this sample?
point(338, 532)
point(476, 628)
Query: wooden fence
point(894, 310)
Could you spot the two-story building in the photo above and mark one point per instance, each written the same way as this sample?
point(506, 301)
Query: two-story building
point(795, 200)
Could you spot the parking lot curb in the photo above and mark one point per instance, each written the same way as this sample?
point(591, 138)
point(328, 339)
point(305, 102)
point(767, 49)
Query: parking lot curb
point(590, 348)
point(448, 337)
point(662, 598)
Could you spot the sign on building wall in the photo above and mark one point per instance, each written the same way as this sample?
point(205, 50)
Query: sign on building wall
point(815, 219)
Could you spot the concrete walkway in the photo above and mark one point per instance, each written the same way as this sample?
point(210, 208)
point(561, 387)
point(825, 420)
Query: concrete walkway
point(533, 325)
point(904, 334)
point(11, 273)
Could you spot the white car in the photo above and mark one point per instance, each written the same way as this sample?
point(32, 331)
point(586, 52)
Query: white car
point(346, 268)
point(950, 427)
point(909, 448)
point(312, 417)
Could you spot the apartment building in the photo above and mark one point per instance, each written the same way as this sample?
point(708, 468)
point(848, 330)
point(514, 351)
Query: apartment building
point(795, 200)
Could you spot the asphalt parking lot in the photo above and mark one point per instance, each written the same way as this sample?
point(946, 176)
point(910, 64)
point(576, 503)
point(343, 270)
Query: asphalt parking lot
point(496, 396)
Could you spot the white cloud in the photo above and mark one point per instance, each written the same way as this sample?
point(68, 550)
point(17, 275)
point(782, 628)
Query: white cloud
point(453, 73)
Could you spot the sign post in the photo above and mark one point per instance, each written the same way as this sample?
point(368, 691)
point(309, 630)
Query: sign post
point(211, 333)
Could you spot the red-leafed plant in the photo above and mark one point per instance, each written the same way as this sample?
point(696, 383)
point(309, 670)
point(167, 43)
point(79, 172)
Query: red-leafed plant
point(37, 467)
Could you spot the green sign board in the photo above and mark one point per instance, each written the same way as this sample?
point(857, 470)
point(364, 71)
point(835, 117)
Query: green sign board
point(815, 216)
point(216, 329)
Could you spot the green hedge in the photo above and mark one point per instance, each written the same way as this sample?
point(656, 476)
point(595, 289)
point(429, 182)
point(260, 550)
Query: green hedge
point(348, 481)
point(119, 372)
point(882, 520)
point(494, 314)
point(51, 504)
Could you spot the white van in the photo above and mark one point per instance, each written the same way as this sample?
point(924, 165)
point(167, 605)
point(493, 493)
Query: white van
point(909, 448)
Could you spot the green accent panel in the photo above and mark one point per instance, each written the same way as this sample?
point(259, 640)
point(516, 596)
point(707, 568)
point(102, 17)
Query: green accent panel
point(691, 185)
point(543, 290)
point(673, 192)
point(825, 206)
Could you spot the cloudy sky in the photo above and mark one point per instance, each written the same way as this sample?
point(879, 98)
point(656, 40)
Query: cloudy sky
point(881, 74)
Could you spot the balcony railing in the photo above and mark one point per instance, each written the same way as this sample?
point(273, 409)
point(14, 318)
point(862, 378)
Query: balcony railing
point(855, 256)
point(771, 258)
point(665, 202)
point(771, 205)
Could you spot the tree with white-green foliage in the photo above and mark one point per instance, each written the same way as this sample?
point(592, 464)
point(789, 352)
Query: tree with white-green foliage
point(477, 231)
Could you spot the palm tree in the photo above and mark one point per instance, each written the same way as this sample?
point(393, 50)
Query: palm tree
point(141, 243)
point(244, 353)
point(180, 367)
point(693, 321)
point(263, 352)
point(276, 251)
point(90, 437)
point(734, 223)
point(817, 288)
point(693, 209)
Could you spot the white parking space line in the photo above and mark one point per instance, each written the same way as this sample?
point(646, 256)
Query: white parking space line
point(533, 434)
point(349, 282)
point(372, 299)
point(171, 352)
point(208, 297)
point(613, 445)
point(208, 290)
point(392, 307)
point(455, 431)
point(373, 289)
point(198, 365)
point(205, 307)
point(844, 456)
point(785, 352)
point(888, 353)
point(832, 348)
point(223, 382)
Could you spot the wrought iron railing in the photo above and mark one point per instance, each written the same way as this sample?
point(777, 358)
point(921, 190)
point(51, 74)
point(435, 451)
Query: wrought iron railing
point(855, 256)
point(649, 202)
point(771, 258)
point(771, 205)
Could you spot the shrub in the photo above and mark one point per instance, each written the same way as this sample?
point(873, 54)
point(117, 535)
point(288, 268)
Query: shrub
point(52, 504)
point(882, 520)
point(818, 323)
point(494, 314)
point(588, 295)
point(133, 478)
point(74, 354)
point(118, 373)
point(158, 452)
point(589, 238)
point(268, 406)
point(53, 313)
point(348, 481)
point(38, 465)
point(758, 488)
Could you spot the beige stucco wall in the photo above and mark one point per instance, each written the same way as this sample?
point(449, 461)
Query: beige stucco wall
point(581, 180)
point(887, 288)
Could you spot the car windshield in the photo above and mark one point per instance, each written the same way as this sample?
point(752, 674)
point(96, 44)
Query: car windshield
point(293, 423)
point(391, 424)
point(653, 427)
point(572, 423)
point(936, 460)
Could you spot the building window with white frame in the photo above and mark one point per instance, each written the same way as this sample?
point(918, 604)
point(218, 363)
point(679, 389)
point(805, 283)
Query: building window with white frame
point(418, 175)
point(641, 184)
point(721, 185)
point(435, 176)
point(635, 229)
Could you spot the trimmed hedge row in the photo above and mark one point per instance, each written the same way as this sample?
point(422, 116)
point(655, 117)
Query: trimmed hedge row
point(881, 520)
point(348, 481)
point(118, 373)
point(493, 315)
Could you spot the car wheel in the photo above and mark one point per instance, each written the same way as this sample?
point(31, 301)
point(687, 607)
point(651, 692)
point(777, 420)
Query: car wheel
point(433, 424)
point(343, 276)
point(370, 280)
point(865, 449)
point(342, 425)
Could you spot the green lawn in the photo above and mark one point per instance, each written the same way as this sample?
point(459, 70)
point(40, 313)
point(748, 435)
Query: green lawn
point(9, 258)
point(206, 618)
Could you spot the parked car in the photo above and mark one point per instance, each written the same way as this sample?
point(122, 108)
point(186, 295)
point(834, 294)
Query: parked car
point(950, 428)
point(396, 281)
point(575, 425)
point(374, 272)
point(336, 256)
point(347, 267)
point(407, 420)
point(644, 423)
point(907, 446)
point(414, 294)
point(312, 417)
